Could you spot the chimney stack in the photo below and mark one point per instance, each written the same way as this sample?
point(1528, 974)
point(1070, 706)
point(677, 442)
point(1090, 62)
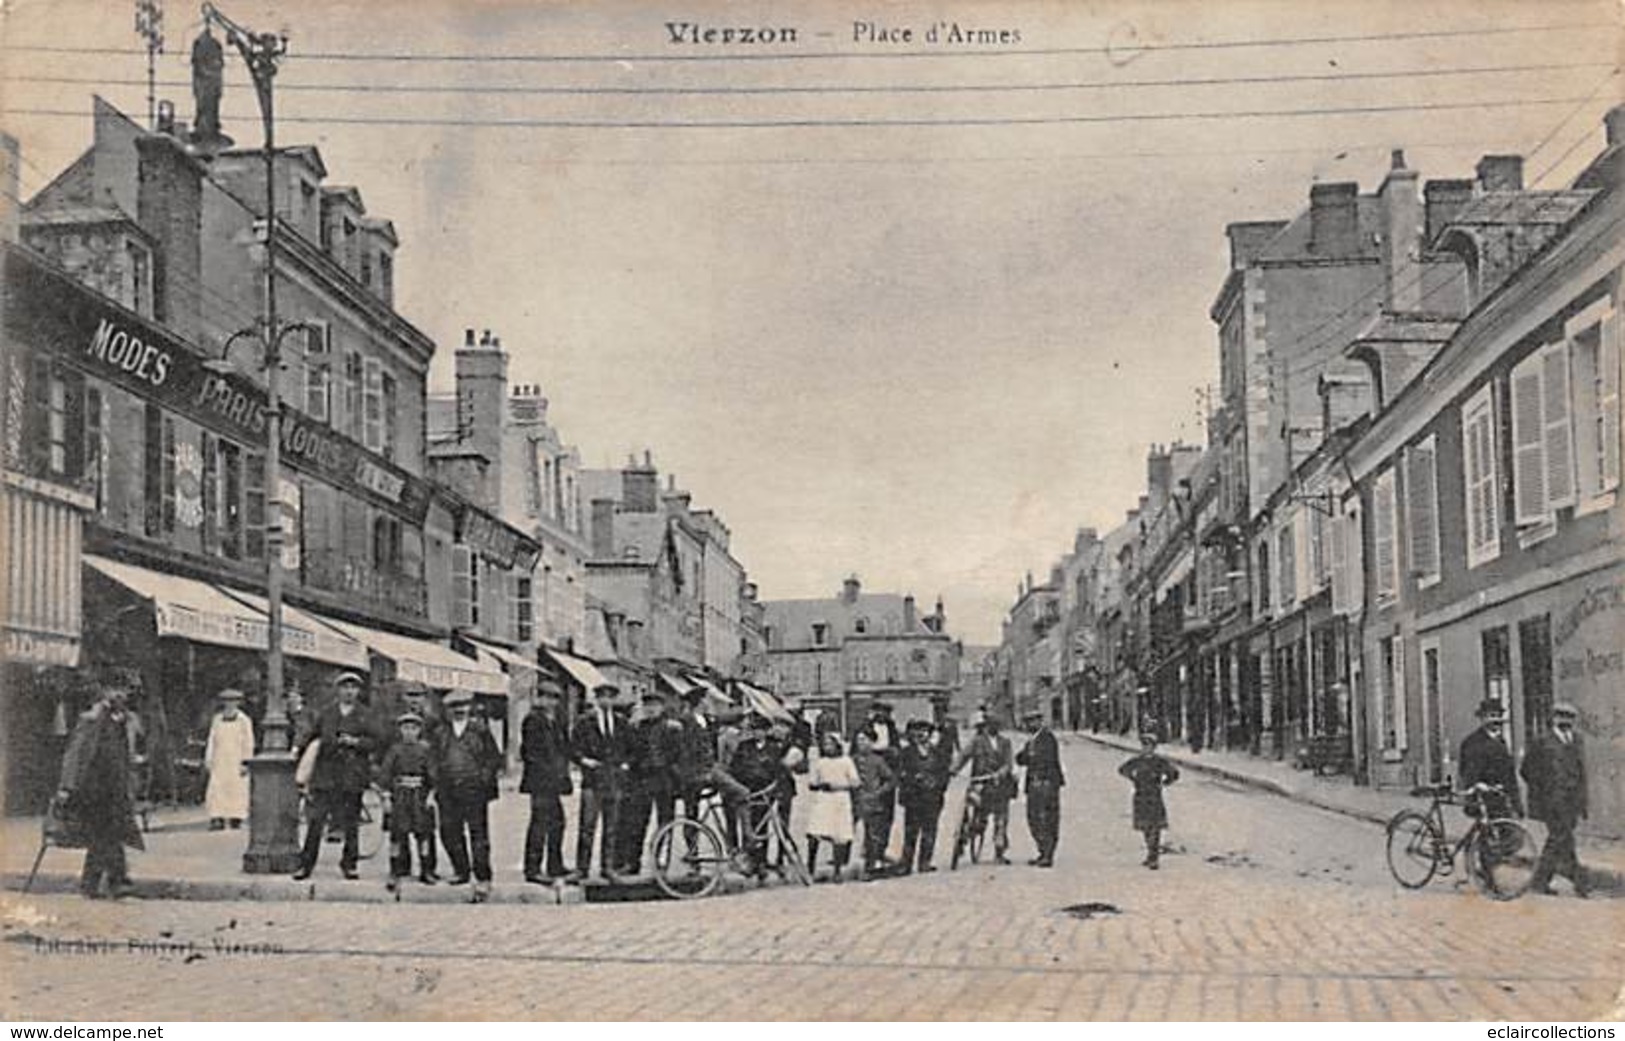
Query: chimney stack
point(640, 486)
point(850, 589)
point(1442, 200)
point(1334, 219)
point(911, 617)
point(169, 205)
point(1614, 123)
point(1500, 173)
point(1401, 236)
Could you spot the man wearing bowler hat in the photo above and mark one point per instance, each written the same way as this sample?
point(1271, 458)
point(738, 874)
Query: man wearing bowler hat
point(1555, 770)
point(342, 771)
point(1486, 760)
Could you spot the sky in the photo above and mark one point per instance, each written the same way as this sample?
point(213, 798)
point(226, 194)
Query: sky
point(927, 325)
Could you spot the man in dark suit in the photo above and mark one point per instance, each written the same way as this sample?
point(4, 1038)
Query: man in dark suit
point(1042, 758)
point(415, 699)
point(342, 772)
point(95, 787)
point(922, 779)
point(544, 748)
point(468, 765)
point(1555, 771)
point(653, 751)
point(881, 731)
point(1486, 760)
point(599, 743)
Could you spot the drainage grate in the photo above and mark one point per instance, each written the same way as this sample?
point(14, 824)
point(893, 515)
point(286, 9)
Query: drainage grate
point(1090, 910)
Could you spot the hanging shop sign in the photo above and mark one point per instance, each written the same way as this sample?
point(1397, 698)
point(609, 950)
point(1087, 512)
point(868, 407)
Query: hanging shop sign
point(48, 311)
point(490, 538)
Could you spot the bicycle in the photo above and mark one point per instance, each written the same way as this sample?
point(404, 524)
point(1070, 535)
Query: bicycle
point(706, 853)
point(1500, 854)
point(971, 831)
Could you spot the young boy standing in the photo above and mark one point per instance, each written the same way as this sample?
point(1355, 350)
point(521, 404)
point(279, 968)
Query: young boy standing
point(1149, 772)
point(407, 774)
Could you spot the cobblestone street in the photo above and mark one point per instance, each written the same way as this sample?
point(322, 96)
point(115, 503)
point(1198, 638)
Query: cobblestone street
point(1266, 910)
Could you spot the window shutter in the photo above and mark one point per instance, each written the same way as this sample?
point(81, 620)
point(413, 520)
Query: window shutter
point(1528, 442)
point(318, 372)
point(1608, 408)
point(462, 602)
point(1382, 536)
point(1398, 680)
point(1354, 559)
point(1337, 536)
point(1559, 427)
point(1481, 486)
point(254, 505)
point(373, 407)
point(1421, 491)
point(211, 495)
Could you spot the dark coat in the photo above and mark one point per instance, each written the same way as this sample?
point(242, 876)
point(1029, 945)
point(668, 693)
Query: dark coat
point(544, 748)
point(922, 771)
point(1042, 758)
point(696, 751)
point(990, 757)
point(653, 750)
point(468, 765)
point(1556, 775)
point(408, 775)
point(877, 787)
point(1149, 772)
point(344, 761)
point(96, 775)
point(1485, 759)
point(612, 752)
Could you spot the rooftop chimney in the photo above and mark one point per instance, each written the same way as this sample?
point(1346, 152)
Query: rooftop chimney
point(1334, 219)
point(1614, 123)
point(1442, 200)
point(1401, 236)
point(1500, 173)
point(850, 589)
point(1248, 239)
point(911, 616)
point(640, 486)
point(468, 337)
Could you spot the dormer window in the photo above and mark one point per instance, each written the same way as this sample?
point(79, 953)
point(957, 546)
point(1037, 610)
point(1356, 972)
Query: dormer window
point(860, 626)
point(820, 634)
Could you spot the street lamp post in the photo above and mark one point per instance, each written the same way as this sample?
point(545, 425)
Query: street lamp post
point(273, 800)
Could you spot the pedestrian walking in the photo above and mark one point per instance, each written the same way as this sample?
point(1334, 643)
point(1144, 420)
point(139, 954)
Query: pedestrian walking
point(993, 765)
point(831, 780)
point(94, 791)
point(1150, 773)
point(599, 743)
point(544, 749)
point(345, 741)
point(1554, 768)
point(407, 776)
point(924, 760)
point(873, 803)
point(226, 753)
point(1042, 757)
point(466, 782)
point(1486, 760)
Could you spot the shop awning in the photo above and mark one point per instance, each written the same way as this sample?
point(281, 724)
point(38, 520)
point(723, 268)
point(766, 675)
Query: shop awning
point(431, 664)
point(508, 658)
point(678, 685)
point(581, 670)
point(306, 635)
point(203, 613)
point(764, 703)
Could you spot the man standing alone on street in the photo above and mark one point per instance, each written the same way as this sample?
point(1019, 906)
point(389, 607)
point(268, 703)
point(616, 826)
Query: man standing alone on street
point(465, 785)
point(342, 771)
point(1555, 770)
point(1486, 760)
point(1042, 758)
point(544, 748)
point(95, 788)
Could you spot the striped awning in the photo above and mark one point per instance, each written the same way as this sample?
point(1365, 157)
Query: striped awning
point(39, 556)
point(581, 670)
point(431, 664)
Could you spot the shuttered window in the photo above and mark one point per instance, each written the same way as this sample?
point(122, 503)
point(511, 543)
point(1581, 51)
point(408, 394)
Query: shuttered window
point(1482, 488)
point(1337, 527)
point(1558, 426)
point(1384, 551)
point(254, 505)
point(1529, 442)
point(318, 372)
point(462, 593)
point(1422, 510)
point(1286, 564)
point(373, 407)
point(1594, 358)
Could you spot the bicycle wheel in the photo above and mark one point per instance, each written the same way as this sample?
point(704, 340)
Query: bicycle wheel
point(1413, 848)
point(962, 832)
point(978, 832)
point(794, 868)
point(1503, 856)
point(370, 824)
point(689, 859)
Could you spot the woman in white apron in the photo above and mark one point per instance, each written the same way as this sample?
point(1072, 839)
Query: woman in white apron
point(231, 744)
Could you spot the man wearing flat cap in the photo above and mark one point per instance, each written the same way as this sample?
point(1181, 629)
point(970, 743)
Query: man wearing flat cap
point(544, 749)
point(415, 699)
point(342, 771)
point(95, 789)
point(1555, 771)
point(1487, 761)
point(1041, 755)
point(465, 784)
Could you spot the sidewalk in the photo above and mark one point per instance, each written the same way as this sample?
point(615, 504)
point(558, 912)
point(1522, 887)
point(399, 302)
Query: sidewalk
point(1337, 794)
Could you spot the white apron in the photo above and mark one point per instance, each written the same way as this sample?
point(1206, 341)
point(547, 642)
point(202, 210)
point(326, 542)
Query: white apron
point(829, 813)
point(231, 743)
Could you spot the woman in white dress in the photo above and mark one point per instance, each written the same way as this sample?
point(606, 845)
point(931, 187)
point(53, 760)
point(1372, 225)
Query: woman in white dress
point(231, 744)
point(831, 780)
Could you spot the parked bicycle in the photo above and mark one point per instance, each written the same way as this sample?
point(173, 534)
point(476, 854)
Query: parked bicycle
point(972, 827)
point(1499, 854)
point(692, 855)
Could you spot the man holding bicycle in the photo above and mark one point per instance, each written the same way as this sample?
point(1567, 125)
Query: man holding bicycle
point(1486, 762)
point(993, 780)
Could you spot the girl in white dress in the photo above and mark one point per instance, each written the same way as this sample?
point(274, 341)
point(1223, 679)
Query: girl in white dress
point(831, 780)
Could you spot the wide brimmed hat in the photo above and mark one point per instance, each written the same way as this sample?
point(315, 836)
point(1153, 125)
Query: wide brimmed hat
point(1489, 708)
